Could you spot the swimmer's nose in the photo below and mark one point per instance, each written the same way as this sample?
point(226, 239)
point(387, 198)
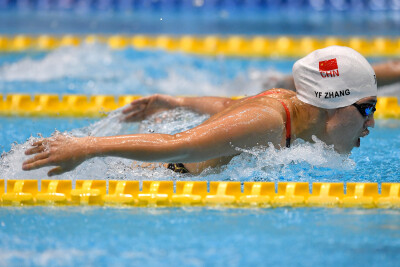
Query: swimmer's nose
point(370, 122)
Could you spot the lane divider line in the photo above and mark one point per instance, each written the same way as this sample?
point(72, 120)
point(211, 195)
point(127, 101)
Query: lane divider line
point(210, 45)
point(196, 193)
point(47, 105)
point(203, 7)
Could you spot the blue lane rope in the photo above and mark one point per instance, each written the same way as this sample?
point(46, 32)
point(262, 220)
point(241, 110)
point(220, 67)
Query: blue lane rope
point(204, 5)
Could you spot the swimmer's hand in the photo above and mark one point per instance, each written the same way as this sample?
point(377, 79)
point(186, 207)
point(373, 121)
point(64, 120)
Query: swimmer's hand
point(146, 106)
point(64, 152)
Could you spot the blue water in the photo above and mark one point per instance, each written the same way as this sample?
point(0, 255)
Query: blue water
point(244, 21)
point(20, 129)
point(98, 70)
point(43, 236)
point(198, 237)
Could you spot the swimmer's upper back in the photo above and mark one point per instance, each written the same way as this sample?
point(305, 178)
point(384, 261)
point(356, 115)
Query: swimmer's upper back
point(276, 93)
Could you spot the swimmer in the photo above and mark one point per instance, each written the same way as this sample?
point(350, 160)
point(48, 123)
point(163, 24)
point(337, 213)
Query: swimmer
point(335, 101)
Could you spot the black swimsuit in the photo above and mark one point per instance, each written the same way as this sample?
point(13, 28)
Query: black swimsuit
point(177, 167)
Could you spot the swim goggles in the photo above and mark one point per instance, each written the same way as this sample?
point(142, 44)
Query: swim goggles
point(365, 109)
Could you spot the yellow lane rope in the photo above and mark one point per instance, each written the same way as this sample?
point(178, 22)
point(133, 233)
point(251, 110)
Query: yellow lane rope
point(66, 106)
point(196, 193)
point(211, 45)
point(98, 105)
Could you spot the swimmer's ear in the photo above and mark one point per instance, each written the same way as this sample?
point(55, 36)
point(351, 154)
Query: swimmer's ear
point(55, 171)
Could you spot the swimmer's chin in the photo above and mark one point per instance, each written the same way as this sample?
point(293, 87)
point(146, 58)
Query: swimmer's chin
point(343, 151)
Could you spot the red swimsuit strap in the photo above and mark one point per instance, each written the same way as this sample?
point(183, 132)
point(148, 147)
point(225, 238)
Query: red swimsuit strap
point(288, 123)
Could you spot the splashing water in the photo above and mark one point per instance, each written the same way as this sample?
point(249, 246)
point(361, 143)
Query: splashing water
point(302, 162)
point(63, 62)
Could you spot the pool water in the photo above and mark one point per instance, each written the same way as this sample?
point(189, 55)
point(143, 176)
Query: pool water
point(42, 236)
point(198, 237)
point(95, 69)
point(290, 20)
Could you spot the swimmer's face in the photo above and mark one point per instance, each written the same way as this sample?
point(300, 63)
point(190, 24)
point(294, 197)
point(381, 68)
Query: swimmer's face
point(348, 125)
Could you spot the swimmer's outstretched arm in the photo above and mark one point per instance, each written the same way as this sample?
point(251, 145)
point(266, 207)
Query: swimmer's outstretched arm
point(243, 127)
point(143, 107)
point(387, 72)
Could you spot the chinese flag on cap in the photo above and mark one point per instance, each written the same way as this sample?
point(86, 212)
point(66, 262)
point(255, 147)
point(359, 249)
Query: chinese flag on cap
point(327, 65)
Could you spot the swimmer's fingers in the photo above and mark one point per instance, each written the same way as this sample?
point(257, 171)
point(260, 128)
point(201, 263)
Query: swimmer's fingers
point(43, 155)
point(35, 150)
point(39, 142)
point(141, 108)
point(137, 104)
point(38, 161)
point(134, 108)
point(38, 146)
point(153, 101)
point(135, 112)
point(135, 116)
point(56, 171)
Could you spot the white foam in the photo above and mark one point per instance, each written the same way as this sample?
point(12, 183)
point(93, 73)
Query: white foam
point(81, 62)
point(301, 162)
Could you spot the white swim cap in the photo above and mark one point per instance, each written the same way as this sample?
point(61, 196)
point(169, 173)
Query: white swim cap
point(334, 77)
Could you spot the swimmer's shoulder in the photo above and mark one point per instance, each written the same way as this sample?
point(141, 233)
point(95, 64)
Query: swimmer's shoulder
point(267, 98)
point(272, 95)
point(279, 93)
